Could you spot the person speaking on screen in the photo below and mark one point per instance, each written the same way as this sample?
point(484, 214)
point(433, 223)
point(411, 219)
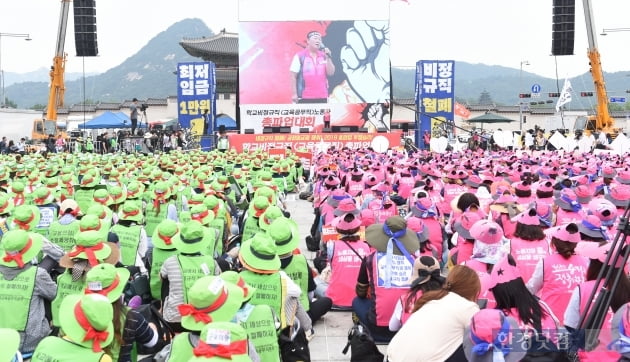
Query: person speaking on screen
point(310, 69)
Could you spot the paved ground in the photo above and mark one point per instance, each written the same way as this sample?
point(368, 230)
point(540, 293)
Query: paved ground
point(331, 333)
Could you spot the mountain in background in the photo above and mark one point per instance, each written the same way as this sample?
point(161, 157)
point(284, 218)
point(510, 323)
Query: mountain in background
point(149, 74)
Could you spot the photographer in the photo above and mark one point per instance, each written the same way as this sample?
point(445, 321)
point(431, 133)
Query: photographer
point(133, 115)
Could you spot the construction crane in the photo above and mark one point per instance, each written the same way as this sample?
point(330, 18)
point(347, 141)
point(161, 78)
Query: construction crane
point(601, 119)
point(42, 128)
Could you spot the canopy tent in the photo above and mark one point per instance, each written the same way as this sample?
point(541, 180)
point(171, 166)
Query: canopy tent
point(108, 120)
point(490, 118)
point(226, 121)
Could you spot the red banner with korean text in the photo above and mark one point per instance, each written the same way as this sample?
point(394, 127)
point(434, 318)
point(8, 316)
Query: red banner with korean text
point(315, 142)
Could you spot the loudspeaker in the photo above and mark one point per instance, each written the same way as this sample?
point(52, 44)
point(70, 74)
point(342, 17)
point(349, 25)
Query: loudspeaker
point(85, 28)
point(382, 130)
point(363, 130)
point(563, 27)
point(249, 131)
point(344, 129)
point(285, 130)
point(405, 127)
point(327, 130)
point(268, 130)
point(337, 129)
point(304, 130)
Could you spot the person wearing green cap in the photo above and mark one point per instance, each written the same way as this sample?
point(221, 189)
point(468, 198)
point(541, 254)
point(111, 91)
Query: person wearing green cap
point(211, 299)
point(129, 325)
point(261, 270)
point(260, 321)
point(132, 235)
point(44, 200)
point(160, 207)
point(285, 234)
point(23, 288)
point(202, 215)
point(5, 211)
point(256, 209)
point(88, 330)
point(179, 272)
point(163, 248)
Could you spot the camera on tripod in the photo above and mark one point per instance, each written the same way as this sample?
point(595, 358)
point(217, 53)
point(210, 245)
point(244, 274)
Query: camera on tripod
point(143, 107)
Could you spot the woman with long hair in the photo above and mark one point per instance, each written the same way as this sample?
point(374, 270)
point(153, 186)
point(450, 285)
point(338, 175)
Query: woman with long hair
point(513, 298)
point(528, 245)
point(556, 275)
point(439, 321)
point(427, 277)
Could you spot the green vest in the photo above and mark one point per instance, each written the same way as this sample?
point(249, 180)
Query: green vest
point(65, 287)
point(261, 330)
point(270, 290)
point(250, 228)
point(157, 260)
point(84, 197)
point(115, 346)
point(48, 215)
point(184, 217)
point(291, 180)
point(192, 269)
point(16, 297)
point(152, 220)
point(129, 240)
point(298, 270)
point(219, 226)
point(280, 182)
point(212, 245)
point(223, 143)
point(182, 348)
point(63, 235)
point(55, 349)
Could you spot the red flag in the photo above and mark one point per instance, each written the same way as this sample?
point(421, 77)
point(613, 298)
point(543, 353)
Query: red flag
point(461, 111)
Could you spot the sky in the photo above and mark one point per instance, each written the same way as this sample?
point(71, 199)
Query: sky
point(492, 32)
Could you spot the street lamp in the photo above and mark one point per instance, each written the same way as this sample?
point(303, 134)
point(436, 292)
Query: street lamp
point(26, 37)
point(520, 101)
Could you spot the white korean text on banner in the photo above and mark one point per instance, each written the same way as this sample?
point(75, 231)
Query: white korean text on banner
point(196, 88)
point(435, 99)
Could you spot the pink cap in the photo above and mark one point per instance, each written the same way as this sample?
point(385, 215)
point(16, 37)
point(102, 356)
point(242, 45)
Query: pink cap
point(529, 217)
point(347, 222)
point(381, 187)
point(591, 225)
point(465, 222)
point(503, 272)
point(605, 210)
point(417, 226)
point(619, 195)
point(623, 177)
point(561, 232)
point(583, 193)
point(595, 251)
point(608, 172)
point(346, 206)
point(367, 217)
point(486, 231)
point(545, 187)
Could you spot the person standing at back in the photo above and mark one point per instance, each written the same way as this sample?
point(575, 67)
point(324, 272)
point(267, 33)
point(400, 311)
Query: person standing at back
point(133, 115)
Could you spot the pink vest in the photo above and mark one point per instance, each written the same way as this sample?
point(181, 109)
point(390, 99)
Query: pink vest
point(344, 267)
point(435, 235)
point(327, 212)
point(548, 325)
point(354, 187)
point(525, 201)
point(566, 217)
point(508, 225)
point(314, 75)
point(407, 311)
point(382, 212)
point(385, 297)
point(527, 254)
point(464, 251)
point(601, 353)
point(405, 185)
point(560, 277)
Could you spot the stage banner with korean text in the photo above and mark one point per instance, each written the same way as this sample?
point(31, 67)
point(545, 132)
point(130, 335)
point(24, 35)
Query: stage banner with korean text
point(435, 99)
point(196, 92)
point(380, 142)
point(373, 116)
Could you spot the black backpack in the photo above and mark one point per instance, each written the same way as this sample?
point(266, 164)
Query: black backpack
point(165, 333)
point(362, 345)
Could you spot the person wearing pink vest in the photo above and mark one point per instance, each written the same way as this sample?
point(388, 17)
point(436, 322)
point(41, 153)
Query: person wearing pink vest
point(569, 208)
point(597, 253)
point(354, 183)
point(426, 277)
point(344, 257)
point(619, 196)
point(425, 210)
point(463, 251)
point(378, 285)
point(523, 193)
point(620, 331)
point(529, 244)
point(557, 275)
point(311, 67)
point(504, 209)
point(516, 301)
point(544, 192)
point(450, 191)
